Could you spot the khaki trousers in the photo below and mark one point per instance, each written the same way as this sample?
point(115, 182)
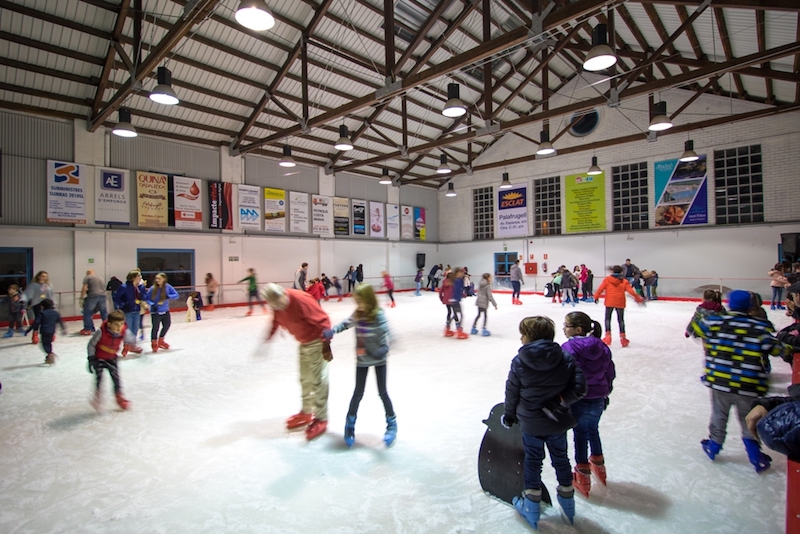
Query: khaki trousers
point(314, 380)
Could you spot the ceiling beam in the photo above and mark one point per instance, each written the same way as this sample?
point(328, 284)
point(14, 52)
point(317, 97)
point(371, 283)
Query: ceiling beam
point(109, 62)
point(637, 34)
point(777, 5)
point(761, 32)
point(719, 16)
point(421, 34)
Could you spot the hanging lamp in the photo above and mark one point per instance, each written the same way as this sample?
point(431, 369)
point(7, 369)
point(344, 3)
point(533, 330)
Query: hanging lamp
point(385, 178)
point(287, 160)
point(660, 121)
point(443, 167)
point(594, 170)
point(344, 142)
point(601, 56)
point(688, 152)
point(505, 184)
point(450, 191)
point(454, 106)
point(163, 93)
point(545, 147)
point(255, 15)
point(124, 128)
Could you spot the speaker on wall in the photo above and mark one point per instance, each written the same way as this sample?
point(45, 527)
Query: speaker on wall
point(420, 261)
point(790, 244)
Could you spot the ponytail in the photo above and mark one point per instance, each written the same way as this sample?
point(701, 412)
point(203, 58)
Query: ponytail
point(597, 329)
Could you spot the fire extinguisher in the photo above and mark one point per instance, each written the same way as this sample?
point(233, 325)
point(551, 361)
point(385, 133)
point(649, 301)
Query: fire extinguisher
point(544, 266)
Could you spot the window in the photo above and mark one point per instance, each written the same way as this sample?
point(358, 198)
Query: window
point(503, 261)
point(630, 197)
point(483, 213)
point(587, 122)
point(16, 267)
point(738, 185)
point(177, 264)
point(547, 206)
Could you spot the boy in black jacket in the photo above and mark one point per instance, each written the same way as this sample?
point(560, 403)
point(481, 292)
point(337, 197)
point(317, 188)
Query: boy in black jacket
point(46, 322)
point(542, 383)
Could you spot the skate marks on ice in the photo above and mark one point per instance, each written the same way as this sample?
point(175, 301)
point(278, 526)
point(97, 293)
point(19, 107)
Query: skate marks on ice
point(70, 422)
point(29, 366)
point(629, 497)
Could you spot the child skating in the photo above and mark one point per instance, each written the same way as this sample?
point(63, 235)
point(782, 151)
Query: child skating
point(594, 358)
point(372, 349)
point(252, 291)
point(16, 307)
point(389, 285)
point(38, 290)
point(542, 383)
point(158, 298)
point(711, 305)
point(484, 298)
point(614, 287)
point(46, 322)
point(103, 347)
point(450, 295)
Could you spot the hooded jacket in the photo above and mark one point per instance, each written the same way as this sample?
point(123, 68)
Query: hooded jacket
point(485, 294)
point(372, 338)
point(780, 428)
point(541, 374)
point(615, 287)
point(594, 359)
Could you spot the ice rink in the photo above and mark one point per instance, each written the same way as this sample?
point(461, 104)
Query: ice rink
point(204, 447)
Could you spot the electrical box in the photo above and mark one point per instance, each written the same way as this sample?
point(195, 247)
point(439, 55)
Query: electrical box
point(531, 268)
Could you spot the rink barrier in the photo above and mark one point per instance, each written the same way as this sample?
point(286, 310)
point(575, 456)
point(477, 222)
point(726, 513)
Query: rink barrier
point(793, 473)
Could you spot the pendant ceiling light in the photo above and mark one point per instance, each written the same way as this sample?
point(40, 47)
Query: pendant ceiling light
point(505, 184)
point(688, 152)
point(450, 191)
point(594, 170)
point(545, 147)
point(443, 168)
point(163, 93)
point(660, 121)
point(385, 178)
point(344, 142)
point(124, 128)
point(255, 15)
point(454, 106)
point(287, 160)
point(600, 57)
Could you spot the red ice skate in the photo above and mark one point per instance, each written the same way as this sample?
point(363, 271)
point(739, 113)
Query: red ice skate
point(624, 340)
point(598, 466)
point(607, 338)
point(582, 479)
point(316, 429)
point(123, 402)
point(462, 334)
point(134, 348)
point(35, 337)
point(299, 420)
point(162, 344)
point(448, 332)
point(154, 345)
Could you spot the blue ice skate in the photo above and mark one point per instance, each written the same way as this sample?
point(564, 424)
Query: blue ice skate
point(566, 499)
point(391, 430)
point(711, 447)
point(529, 506)
point(474, 331)
point(485, 333)
point(350, 430)
point(10, 333)
point(759, 460)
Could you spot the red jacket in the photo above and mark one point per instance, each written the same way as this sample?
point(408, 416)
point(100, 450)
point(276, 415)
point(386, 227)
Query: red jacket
point(316, 290)
point(387, 282)
point(615, 288)
point(104, 345)
point(303, 317)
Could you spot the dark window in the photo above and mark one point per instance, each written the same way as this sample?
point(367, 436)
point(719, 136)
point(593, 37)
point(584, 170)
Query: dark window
point(629, 193)
point(738, 185)
point(483, 213)
point(16, 267)
point(177, 264)
point(547, 206)
point(587, 122)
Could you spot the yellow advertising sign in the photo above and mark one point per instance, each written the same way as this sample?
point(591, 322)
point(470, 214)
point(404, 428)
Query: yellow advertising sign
point(151, 199)
point(585, 198)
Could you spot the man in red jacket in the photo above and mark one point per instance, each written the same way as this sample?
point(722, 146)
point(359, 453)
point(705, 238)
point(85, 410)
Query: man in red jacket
point(300, 314)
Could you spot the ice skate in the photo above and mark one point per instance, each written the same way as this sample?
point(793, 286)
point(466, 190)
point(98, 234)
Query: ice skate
point(391, 430)
point(85, 332)
point(607, 338)
point(154, 345)
point(299, 420)
point(50, 359)
point(474, 331)
point(711, 448)
point(519, 302)
point(461, 334)
point(10, 333)
point(582, 479)
point(529, 506)
point(598, 467)
point(339, 300)
point(136, 349)
point(316, 429)
point(485, 333)
point(249, 313)
point(759, 460)
point(448, 332)
point(350, 430)
point(122, 401)
point(35, 338)
point(566, 499)
point(162, 344)
point(624, 341)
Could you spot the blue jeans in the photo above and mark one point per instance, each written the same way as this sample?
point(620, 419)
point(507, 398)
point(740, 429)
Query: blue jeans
point(133, 319)
point(90, 305)
point(419, 286)
point(586, 433)
point(777, 295)
point(515, 285)
point(534, 456)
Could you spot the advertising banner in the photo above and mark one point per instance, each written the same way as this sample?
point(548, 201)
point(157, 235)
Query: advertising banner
point(66, 192)
point(274, 210)
point(188, 204)
point(151, 197)
point(298, 212)
point(376, 223)
point(321, 215)
point(406, 222)
point(359, 217)
point(249, 207)
point(112, 199)
point(220, 205)
point(393, 221)
point(419, 224)
point(585, 198)
point(341, 216)
point(681, 192)
point(512, 211)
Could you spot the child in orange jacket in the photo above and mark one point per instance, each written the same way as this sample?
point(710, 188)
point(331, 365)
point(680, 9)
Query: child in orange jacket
point(614, 287)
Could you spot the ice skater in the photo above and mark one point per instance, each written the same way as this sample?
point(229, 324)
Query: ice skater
point(484, 298)
point(158, 298)
point(372, 350)
point(418, 281)
point(38, 290)
point(211, 289)
point(302, 316)
point(614, 287)
point(737, 347)
point(389, 285)
point(102, 349)
point(16, 307)
point(594, 358)
point(252, 291)
point(128, 298)
point(335, 282)
point(779, 281)
point(542, 383)
point(194, 303)
point(46, 321)
point(450, 295)
point(711, 305)
point(515, 275)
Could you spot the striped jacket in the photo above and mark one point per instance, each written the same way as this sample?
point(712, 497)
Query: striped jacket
point(738, 348)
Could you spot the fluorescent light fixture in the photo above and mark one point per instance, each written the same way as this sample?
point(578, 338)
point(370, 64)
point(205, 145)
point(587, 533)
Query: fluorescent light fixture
point(385, 178)
point(163, 93)
point(344, 142)
point(255, 15)
point(660, 121)
point(287, 160)
point(124, 128)
point(545, 147)
point(443, 168)
point(454, 106)
point(450, 191)
point(600, 57)
point(594, 170)
point(688, 152)
point(505, 184)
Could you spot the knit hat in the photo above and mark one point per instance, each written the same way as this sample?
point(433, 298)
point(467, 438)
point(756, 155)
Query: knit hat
point(739, 300)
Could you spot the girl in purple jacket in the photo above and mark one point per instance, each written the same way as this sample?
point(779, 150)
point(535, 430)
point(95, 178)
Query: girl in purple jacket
point(594, 358)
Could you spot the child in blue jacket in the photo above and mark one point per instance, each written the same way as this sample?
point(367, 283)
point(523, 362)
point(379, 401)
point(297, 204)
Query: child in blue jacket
point(46, 323)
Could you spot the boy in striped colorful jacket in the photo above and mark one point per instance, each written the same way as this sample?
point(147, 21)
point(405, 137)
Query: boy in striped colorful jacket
point(737, 347)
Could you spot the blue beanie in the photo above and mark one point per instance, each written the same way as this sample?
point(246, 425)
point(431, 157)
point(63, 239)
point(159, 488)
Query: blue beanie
point(739, 300)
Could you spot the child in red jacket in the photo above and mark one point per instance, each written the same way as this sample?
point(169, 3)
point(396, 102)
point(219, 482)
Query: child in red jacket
point(103, 347)
point(316, 289)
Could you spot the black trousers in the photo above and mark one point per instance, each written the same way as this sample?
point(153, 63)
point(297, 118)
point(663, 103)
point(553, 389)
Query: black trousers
point(454, 313)
point(361, 382)
point(390, 291)
point(111, 365)
point(480, 311)
point(620, 319)
point(350, 285)
point(164, 321)
point(37, 311)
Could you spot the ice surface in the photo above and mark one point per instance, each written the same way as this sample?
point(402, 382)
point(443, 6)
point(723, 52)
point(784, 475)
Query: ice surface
point(204, 448)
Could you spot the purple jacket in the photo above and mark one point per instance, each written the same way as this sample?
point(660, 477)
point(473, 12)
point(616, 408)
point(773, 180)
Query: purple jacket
point(594, 359)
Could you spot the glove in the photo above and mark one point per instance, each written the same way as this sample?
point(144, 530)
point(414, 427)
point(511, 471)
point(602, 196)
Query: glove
point(606, 402)
point(327, 355)
point(686, 334)
point(81, 301)
point(327, 334)
point(555, 409)
point(92, 362)
point(508, 421)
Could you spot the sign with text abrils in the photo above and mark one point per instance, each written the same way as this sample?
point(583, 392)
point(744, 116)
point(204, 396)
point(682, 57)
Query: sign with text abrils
point(66, 192)
point(681, 192)
point(249, 207)
point(585, 198)
point(341, 216)
point(512, 211)
point(151, 197)
point(274, 210)
point(188, 203)
point(321, 215)
point(112, 197)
